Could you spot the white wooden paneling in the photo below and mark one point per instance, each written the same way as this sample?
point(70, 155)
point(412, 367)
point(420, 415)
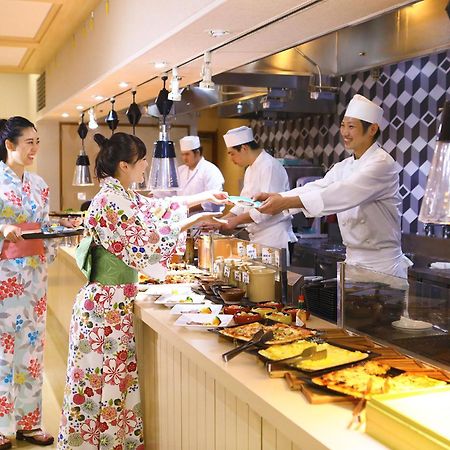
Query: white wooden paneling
point(171, 439)
point(269, 436)
point(220, 417)
point(192, 386)
point(242, 426)
point(254, 430)
point(177, 404)
point(210, 411)
point(201, 409)
point(283, 443)
point(184, 403)
point(230, 421)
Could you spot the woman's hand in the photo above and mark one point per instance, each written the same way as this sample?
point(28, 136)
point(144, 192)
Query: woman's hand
point(70, 222)
point(216, 197)
point(204, 218)
point(12, 233)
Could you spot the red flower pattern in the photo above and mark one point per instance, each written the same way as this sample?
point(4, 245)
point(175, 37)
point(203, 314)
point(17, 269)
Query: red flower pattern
point(10, 287)
point(30, 420)
point(5, 406)
point(7, 342)
point(35, 368)
point(41, 306)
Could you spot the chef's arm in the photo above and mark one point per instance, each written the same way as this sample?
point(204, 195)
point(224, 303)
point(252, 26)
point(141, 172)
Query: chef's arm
point(216, 197)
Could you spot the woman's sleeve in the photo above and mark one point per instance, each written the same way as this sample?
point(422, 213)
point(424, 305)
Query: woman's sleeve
point(144, 235)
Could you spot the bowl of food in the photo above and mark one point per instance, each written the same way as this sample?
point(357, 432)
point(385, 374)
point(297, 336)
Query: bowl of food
point(276, 305)
point(232, 295)
point(291, 311)
point(244, 317)
point(217, 287)
point(280, 317)
point(234, 309)
point(263, 311)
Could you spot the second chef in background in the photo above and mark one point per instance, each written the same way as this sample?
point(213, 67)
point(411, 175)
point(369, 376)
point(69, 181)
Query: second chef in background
point(262, 172)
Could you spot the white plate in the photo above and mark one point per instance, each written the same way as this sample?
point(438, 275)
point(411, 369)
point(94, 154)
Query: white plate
point(170, 300)
point(411, 325)
point(203, 321)
point(195, 309)
point(169, 289)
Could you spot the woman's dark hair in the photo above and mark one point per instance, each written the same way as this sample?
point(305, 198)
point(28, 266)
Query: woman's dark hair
point(252, 144)
point(119, 147)
point(11, 129)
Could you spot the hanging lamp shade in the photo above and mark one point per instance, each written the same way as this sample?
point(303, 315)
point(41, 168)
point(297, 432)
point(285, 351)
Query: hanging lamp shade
point(112, 120)
point(134, 113)
point(163, 178)
point(436, 201)
point(82, 174)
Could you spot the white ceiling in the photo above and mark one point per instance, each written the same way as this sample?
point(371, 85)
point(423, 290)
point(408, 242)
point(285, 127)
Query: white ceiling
point(257, 28)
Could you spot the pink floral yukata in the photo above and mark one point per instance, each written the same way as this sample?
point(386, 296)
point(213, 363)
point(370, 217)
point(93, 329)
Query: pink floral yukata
point(101, 407)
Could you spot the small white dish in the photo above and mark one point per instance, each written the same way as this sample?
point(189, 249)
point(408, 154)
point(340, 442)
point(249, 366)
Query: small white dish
point(204, 321)
point(411, 325)
point(168, 289)
point(196, 309)
point(189, 298)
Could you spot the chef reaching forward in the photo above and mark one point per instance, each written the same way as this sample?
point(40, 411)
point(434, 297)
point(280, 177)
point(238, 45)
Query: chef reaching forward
point(263, 173)
point(362, 190)
point(197, 174)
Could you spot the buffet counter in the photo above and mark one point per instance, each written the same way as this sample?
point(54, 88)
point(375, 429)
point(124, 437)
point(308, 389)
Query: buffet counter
point(192, 399)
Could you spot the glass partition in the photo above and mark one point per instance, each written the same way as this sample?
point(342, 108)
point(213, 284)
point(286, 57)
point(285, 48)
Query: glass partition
point(414, 316)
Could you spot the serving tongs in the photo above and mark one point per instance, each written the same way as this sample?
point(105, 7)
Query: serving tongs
point(260, 337)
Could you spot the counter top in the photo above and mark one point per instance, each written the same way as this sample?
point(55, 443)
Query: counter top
point(311, 426)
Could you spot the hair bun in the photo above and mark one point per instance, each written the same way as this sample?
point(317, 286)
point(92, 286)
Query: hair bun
point(3, 123)
point(100, 139)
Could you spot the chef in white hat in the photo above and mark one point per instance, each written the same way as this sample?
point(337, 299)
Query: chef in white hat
point(197, 174)
point(363, 190)
point(263, 173)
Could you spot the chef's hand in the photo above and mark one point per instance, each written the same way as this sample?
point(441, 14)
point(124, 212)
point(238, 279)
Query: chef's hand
point(227, 224)
point(261, 196)
point(12, 233)
point(216, 197)
point(205, 218)
point(70, 222)
point(275, 204)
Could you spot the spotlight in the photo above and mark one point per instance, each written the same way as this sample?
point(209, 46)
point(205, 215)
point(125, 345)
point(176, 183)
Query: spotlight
point(206, 74)
point(175, 94)
point(92, 122)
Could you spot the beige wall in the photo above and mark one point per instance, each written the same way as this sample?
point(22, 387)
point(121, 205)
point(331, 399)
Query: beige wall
point(16, 95)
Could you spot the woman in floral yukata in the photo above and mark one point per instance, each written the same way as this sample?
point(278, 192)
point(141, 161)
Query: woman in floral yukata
point(127, 233)
point(24, 204)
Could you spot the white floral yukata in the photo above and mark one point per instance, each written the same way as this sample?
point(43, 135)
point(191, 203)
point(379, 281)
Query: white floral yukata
point(101, 407)
point(23, 305)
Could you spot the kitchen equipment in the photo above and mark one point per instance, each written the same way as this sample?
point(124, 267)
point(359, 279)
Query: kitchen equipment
point(261, 287)
point(259, 338)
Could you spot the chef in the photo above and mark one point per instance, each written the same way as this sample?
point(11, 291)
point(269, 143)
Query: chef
point(263, 173)
point(362, 190)
point(197, 174)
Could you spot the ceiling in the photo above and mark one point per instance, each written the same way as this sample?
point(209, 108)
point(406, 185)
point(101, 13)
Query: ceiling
point(257, 28)
point(32, 30)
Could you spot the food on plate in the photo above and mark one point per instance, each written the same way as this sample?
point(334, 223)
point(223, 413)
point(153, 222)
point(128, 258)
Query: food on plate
point(291, 311)
point(282, 333)
point(336, 356)
point(170, 279)
point(215, 322)
point(279, 316)
point(246, 317)
point(205, 310)
point(372, 378)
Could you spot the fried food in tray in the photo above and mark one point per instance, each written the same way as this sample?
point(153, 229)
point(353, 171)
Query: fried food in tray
point(354, 380)
point(336, 356)
point(282, 333)
point(170, 279)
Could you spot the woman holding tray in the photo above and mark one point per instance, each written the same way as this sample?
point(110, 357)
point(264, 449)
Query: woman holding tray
point(24, 205)
point(127, 233)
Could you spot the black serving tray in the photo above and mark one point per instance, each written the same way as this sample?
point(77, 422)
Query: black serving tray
point(53, 235)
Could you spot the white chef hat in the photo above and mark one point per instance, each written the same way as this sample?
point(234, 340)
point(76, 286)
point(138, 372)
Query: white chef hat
point(238, 136)
point(362, 108)
point(189, 143)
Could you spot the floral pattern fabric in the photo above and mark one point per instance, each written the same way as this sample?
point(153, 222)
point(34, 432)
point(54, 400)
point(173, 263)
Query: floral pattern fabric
point(101, 407)
point(23, 305)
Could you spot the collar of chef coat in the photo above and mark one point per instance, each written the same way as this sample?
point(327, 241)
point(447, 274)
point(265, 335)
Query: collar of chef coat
point(260, 159)
point(191, 173)
point(367, 153)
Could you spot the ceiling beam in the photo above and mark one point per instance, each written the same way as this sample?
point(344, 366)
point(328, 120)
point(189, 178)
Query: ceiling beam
point(18, 42)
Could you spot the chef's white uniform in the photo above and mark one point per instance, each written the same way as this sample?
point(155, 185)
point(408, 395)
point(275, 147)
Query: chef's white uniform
point(205, 177)
point(266, 174)
point(364, 194)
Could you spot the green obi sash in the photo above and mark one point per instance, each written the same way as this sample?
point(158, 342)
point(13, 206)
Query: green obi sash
point(97, 264)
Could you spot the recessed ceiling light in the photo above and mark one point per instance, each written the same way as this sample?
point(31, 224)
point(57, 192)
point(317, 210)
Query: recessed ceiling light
point(123, 84)
point(160, 64)
point(80, 107)
point(64, 114)
point(217, 33)
point(98, 97)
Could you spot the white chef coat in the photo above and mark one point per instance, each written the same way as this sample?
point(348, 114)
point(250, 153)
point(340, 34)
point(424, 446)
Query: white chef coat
point(205, 177)
point(364, 194)
point(266, 174)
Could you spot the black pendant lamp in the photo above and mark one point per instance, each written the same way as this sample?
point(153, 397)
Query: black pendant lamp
point(112, 119)
point(163, 174)
point(134, 113)
point(82, 175)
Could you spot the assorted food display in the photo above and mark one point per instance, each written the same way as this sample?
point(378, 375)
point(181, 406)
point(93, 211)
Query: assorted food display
point(325, 365)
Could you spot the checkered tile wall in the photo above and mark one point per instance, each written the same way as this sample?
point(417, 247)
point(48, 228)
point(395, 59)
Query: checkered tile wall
point(410, 92)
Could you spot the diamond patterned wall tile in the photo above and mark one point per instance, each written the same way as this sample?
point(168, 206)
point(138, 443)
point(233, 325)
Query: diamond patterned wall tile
point(410, 92)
